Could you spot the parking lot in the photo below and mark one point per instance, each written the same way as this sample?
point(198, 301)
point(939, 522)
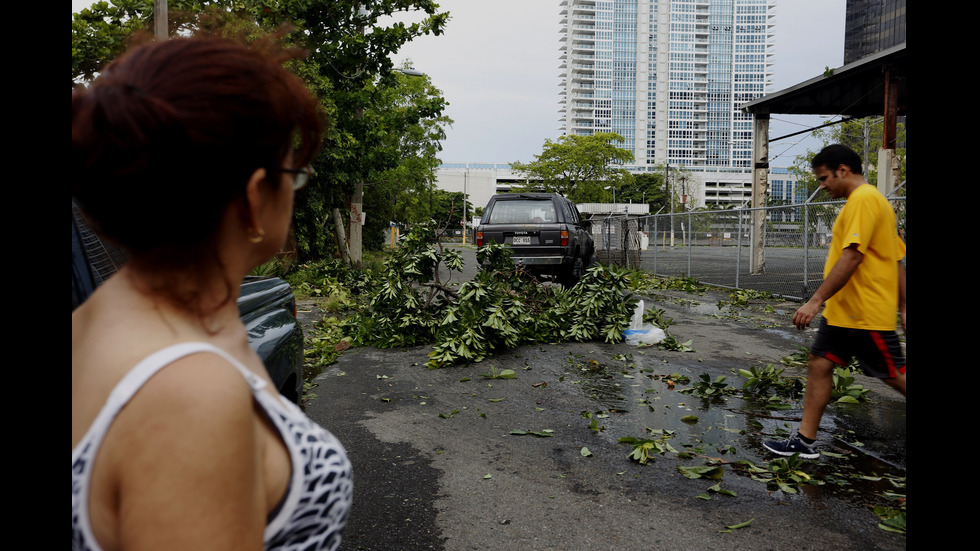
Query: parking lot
point(452, 459)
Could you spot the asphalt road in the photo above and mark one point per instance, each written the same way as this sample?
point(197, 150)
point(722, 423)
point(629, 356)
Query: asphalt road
point(436, 465)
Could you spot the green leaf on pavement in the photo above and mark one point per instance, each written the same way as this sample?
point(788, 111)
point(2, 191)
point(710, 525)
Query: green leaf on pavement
point(740, 525)
point(706, 471)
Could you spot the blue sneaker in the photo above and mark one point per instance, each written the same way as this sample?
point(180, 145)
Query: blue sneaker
point(791, 446)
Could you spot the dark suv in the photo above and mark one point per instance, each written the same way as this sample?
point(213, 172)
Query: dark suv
point(548, 235)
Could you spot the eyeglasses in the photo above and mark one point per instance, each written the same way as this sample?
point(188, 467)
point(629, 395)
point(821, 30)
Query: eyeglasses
point(302, 176)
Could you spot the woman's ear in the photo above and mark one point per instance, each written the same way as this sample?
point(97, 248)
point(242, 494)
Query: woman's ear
point(253, 200)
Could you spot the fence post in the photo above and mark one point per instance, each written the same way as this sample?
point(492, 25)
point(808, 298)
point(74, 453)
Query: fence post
point(738, 247)
point(806, 250)
point(655, 232)
point(690, 244)
point(605, 239)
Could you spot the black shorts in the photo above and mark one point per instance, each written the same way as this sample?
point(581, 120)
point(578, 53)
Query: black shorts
point(878, 352)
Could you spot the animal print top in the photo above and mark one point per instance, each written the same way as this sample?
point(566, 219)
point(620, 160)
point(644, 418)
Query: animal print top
point(314, 510)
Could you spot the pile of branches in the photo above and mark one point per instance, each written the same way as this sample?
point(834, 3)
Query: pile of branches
point(502, 307)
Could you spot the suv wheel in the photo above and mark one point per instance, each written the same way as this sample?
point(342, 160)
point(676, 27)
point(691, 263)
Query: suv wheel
point(571, 277)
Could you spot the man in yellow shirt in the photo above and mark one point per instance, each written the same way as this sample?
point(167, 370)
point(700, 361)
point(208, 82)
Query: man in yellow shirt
point(864, 286)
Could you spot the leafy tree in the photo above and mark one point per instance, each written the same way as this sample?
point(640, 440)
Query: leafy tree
point(579, 167)
point(645, 188)
point(449, 209)
point(352, 51)
point(680, 187)
point(411, 113)
point(858, 133)
point(804, 174)
point(854, 134)
point(99, 33)
point(348, 68)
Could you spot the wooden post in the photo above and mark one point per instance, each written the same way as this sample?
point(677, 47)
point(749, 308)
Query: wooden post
point(760, 183)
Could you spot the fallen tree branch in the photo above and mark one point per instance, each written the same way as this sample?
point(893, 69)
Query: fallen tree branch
point(442, 288)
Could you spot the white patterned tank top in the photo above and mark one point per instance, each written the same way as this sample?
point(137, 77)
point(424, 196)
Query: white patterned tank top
point(313, 512)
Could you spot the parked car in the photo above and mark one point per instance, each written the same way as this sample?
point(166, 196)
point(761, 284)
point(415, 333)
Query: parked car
point(546, 231)
point(266, 305)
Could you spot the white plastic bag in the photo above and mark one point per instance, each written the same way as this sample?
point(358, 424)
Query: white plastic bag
point(643, 333)
point(650, 334)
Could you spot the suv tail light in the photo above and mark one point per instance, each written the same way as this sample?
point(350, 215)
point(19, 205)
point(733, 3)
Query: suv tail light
point(564, 238)
point(479, 239)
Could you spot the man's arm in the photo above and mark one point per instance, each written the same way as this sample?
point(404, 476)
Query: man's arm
point(838, 277)
point(901, 292)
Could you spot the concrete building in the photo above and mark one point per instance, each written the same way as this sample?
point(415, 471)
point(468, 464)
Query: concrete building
point(479, 181)
point(669, 76)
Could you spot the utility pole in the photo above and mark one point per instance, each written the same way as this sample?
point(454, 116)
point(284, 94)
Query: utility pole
point(357, 216)
point(355, 230)
point(465, 210)
point(670, 186)
point(356, 227)
point(160, 17)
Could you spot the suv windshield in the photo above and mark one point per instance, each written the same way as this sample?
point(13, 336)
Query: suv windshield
point(527, 211)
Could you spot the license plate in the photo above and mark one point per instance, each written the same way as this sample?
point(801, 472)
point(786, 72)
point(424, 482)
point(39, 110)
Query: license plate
point(522, 240)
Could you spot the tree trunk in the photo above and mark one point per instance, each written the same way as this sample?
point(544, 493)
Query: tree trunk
point(341, 236)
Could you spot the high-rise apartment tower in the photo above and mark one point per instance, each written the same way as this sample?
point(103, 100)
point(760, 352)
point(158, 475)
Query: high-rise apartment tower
point(669, 76)
point(872, 26)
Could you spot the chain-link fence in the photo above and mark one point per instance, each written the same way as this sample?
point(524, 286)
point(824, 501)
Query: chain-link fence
point(724, 247)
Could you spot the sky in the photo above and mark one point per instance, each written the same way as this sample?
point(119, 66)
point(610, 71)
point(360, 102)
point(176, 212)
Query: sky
point(497, 65)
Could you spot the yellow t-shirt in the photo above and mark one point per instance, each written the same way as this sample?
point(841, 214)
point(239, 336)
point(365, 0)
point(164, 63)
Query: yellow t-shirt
point(869, 300)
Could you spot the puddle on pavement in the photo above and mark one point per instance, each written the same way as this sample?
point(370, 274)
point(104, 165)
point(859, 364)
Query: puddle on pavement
point(703, 308)
point(790, 335)
point(638, 395)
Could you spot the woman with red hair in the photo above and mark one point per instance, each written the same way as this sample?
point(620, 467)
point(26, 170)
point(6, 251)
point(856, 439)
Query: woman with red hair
point(187, 154)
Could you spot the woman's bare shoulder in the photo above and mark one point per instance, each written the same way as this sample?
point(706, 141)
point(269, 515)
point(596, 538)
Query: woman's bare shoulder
point(193, 426)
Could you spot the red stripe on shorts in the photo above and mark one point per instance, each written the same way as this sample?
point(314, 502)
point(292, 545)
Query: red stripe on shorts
point(834, 358)
point(885, 353)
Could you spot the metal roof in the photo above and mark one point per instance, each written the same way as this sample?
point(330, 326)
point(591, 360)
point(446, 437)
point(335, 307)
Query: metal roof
point(856, 89)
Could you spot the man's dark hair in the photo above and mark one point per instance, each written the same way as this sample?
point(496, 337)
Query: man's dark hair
point(835, 155)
